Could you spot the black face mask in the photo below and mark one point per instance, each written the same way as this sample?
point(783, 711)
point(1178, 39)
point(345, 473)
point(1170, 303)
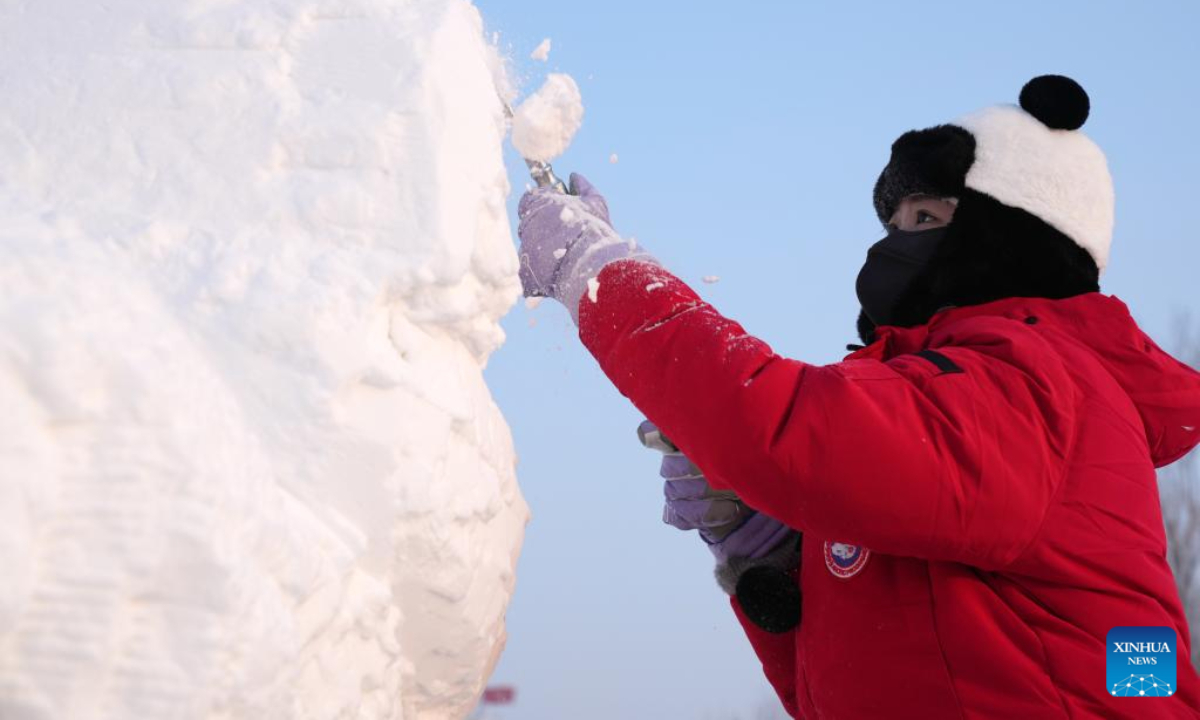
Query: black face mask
point(892, 265)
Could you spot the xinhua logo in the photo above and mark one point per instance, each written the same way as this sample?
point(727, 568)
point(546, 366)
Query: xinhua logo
point(1141, 661)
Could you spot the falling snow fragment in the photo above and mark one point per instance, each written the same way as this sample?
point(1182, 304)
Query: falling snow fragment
point(711, 279)
point(542, 51)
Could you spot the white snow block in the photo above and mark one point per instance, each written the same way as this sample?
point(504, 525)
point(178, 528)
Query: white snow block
point(253, 254)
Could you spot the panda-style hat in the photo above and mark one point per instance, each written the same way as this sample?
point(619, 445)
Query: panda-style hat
point(1030, 158)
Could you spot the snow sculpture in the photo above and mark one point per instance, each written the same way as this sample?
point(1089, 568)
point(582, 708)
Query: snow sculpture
point(252, 258)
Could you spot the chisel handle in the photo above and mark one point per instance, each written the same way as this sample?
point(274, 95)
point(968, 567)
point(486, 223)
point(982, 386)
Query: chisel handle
point(544, 176)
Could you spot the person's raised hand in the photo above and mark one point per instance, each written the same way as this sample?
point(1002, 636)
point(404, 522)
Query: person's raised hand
point(566, 240)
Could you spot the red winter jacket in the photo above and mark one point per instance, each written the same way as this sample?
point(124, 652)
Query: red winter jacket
point(988, 477)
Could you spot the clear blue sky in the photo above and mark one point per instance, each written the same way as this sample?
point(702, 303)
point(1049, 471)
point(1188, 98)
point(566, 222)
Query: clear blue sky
point(749, 137)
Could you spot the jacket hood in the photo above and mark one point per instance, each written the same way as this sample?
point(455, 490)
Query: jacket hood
point(1165, 391)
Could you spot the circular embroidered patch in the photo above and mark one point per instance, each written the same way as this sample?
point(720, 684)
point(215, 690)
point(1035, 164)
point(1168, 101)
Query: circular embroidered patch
point(845, 561)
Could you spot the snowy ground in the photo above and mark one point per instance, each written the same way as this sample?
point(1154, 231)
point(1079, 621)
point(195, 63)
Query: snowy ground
point(252, 259)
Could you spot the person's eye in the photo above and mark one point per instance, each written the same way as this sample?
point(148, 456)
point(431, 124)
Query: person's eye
point(924, 217)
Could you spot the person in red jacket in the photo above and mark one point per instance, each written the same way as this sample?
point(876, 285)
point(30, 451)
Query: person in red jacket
point(949, 522)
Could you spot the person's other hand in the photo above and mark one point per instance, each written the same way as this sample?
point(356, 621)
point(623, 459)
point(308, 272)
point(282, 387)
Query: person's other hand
point(729, 526)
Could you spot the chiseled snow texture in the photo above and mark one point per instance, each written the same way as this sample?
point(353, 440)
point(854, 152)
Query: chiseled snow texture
point(544, 125)
point(252, 258)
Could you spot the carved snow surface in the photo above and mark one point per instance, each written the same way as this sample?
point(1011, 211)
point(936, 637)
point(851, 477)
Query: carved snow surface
point(253, 254)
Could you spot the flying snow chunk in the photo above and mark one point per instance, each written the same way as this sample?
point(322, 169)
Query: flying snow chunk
point(544, 125)
point(542, 51)
point(253, 259)
point(711, 279)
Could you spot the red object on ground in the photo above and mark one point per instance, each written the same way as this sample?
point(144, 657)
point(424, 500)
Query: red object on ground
point(499, 695)
point(998, 463)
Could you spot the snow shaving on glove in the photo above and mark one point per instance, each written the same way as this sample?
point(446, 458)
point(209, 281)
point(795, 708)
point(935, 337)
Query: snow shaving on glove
point(1031, 158)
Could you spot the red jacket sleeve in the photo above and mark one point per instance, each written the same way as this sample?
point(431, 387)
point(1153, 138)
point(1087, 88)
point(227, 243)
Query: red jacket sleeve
point(899, 456)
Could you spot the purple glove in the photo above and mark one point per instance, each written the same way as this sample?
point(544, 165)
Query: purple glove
point(566, 240)
point(757, 556)
point(731, 528)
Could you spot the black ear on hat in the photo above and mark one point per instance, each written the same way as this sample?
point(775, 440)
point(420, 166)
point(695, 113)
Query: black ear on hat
point(933, 161)
point(1058, 102)
point(940, 155)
